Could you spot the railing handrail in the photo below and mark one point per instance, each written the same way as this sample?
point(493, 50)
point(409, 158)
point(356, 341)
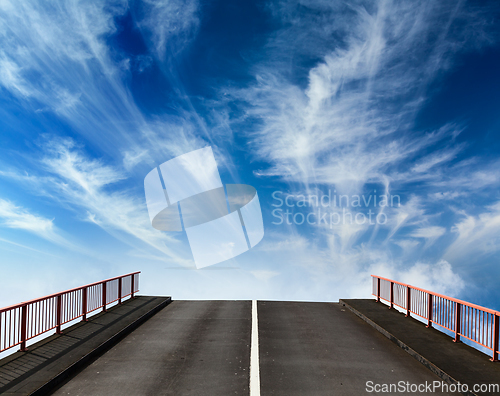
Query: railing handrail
point(64, 292)
point(489, 310)
point(478, 324)
point(22, 322)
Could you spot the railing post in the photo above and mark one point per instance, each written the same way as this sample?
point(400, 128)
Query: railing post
point(84, 304)
point(103, 296)
point(378, 289)
point(457, 322)
point(429, 311)
point(59, 314)
point(132, 285)
point(392, 295)
point(408, 301)
point(496, 325)
point(120, 290)
point(24, 321)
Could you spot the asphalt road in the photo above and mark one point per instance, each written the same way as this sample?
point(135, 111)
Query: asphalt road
point(203, 348)
point(189, 348)
point(324, 349)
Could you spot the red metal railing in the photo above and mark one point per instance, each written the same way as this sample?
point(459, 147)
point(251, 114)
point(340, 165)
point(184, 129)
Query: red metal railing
point(22, 322)
point(473, 322)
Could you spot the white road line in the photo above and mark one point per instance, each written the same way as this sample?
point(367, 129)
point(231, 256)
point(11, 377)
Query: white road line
point(254, 354)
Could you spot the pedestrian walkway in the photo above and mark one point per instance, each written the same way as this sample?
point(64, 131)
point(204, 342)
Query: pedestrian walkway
point(55, 358)
point(454, 362)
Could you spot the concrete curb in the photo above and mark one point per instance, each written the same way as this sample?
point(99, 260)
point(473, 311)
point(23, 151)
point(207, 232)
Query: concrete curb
point(83, 362)
point(432, 367)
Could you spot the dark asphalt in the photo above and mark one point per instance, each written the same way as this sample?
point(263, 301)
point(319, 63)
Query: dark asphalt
point(189, 348)
point(203, 348)
point(324, 349)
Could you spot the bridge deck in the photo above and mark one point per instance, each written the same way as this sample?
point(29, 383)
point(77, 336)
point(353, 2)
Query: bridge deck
point(203, 348)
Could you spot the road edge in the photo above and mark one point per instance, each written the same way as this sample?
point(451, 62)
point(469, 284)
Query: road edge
point(84, 361)
point(422, 359)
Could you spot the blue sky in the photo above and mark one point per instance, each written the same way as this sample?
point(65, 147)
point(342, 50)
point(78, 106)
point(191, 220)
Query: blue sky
point(298, 98)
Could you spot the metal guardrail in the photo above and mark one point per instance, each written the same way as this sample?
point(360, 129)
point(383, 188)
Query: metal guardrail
point(473, 322)
point(22, 322)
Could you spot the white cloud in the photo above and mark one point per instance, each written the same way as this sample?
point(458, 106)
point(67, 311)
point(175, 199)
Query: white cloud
point(436, 158)
point(438, 277)
point(10, 77)
point(342, 121)
point(96, 193)
point(326, 273)
point(477, 237)
point(348, 121)
point(428, 232)
point(86, 184)
point(131, 158)
point(16, 217)
point(66, 67)
point(66, 161)
point(169, 24)
point(410, 213)
point(406, 244)
point(343, 126)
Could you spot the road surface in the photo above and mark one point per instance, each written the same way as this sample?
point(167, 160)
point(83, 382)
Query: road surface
point(203, 348)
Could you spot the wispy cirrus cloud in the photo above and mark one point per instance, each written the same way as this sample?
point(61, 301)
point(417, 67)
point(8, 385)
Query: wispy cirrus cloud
point(343, 120)
point(95, 192)
point(165, 33)
point(331, 101)
point(477, 236)
point(69, 68)
point(429, 234)
point(64, 67)
point(87, 184)
point(16, 217)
